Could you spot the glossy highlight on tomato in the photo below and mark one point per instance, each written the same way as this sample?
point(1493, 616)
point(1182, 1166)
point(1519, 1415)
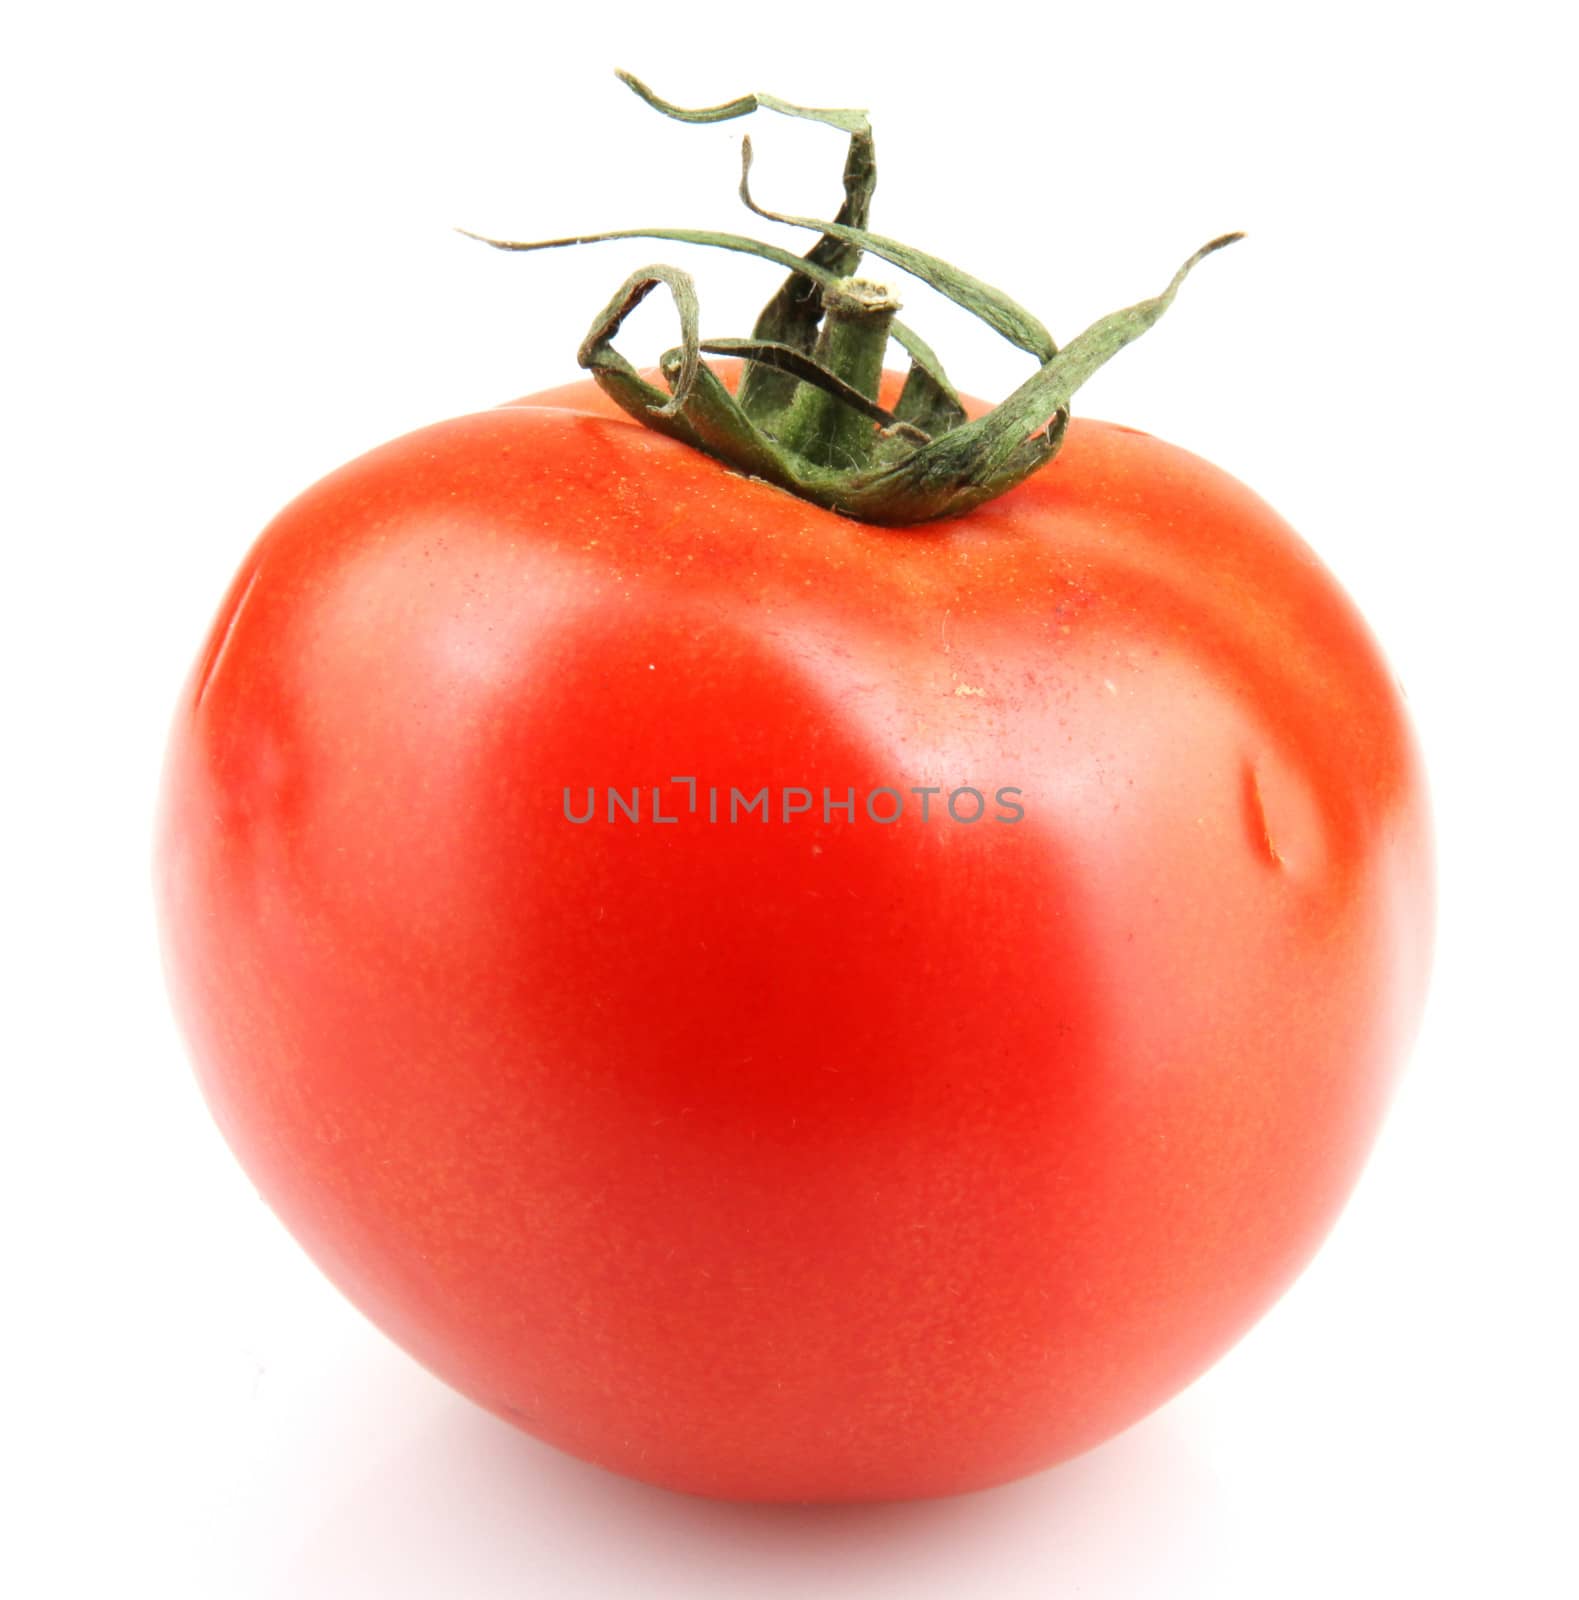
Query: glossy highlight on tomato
point(831, 1161)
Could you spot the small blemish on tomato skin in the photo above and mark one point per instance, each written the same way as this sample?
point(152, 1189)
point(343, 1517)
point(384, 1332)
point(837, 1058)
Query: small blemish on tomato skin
point(222, 638)
point(1256, 816)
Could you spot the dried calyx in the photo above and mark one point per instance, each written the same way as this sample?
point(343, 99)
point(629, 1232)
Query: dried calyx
point(805, 414)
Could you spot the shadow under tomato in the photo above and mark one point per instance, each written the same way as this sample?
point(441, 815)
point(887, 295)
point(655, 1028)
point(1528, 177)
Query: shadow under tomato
point(467, 1506)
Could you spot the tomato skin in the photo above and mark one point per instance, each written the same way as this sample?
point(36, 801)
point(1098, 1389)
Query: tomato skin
point(806, 1161)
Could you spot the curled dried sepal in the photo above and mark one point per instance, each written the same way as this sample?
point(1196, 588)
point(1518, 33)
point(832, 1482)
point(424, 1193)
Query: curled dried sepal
point(852, 121)
point(598, 354)
point(995, 452)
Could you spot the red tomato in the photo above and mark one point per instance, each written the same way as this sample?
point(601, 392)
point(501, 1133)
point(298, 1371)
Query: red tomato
point(821, 1159)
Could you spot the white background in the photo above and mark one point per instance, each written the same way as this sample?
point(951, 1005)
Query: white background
point(230, 267)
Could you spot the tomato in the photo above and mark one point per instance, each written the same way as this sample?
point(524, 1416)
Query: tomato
point(818, 1158)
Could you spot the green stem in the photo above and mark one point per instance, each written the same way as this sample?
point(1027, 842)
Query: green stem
point(857, 315)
